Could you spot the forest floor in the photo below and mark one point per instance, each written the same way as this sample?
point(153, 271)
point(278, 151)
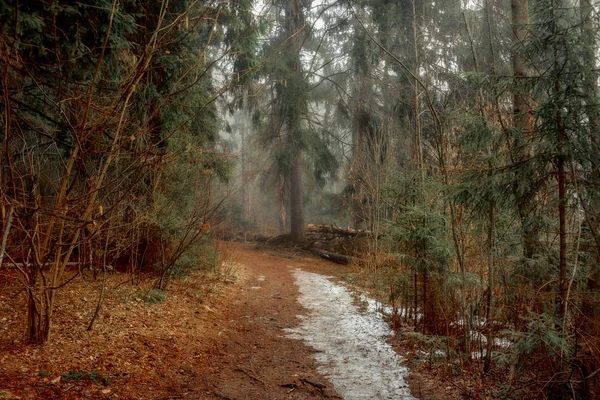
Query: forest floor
point(210, 336)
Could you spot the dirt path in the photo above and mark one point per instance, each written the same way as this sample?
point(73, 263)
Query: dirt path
point(208, 337)
point(253, 358)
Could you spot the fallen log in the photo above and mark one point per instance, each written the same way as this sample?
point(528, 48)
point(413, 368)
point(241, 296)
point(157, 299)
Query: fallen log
point(258, 238)
point(277, 240)
point(335, 257)
point(333, 230)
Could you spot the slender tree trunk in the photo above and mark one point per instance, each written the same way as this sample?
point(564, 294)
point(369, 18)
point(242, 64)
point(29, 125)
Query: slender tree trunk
point(296, 201)
point(415, 297)
point(590, 310)
point(561, 179)
point(425, 293)
point(244, 189)
point(7, 226)
point(244, 157)
point(487, 364)
point(589, 319)
point(521, 108)
point(417, 146)
point(523, 123)
point(562, 234)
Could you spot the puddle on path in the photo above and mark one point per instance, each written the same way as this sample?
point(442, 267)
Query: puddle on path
point(351, 344)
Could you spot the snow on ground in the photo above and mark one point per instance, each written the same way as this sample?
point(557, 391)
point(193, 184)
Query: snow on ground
point(351, 345)
point(374, 305)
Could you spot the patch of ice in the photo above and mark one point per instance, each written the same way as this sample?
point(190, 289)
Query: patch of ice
point(502, 343)
point(402, 312)
point(375, 306)
point(498, 342)
point(439, 353)
point(351, 345)
point(478, 337)
point(476, 355)
point(261, 278)
point(421, 354)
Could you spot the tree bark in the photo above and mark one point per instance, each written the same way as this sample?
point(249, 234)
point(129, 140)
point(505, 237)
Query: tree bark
point(417, 151)
point(296, 31)
point(522, 122)
point(589, 320)
point(296, 202)
point(281, 204)
point(591, 201)
point(335, 257)
point(521, 108)
point(487, 364)
point(562, 234)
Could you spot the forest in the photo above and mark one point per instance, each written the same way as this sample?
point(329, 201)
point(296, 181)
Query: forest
point(456, 143)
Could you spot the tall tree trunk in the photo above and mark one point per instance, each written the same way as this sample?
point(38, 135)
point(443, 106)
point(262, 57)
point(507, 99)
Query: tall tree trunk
point(590, 308)
point(523, 123)
point(296, 31)
point(521, 108)
point(562, 222)
point(592, 202)
point(282, 207)
point(560, 170)
point(417, 151)
point(487, 364)
point(296, 202)
point(592, 207)
point(244, 186)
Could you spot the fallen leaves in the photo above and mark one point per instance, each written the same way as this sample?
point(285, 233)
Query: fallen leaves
point(133, 346)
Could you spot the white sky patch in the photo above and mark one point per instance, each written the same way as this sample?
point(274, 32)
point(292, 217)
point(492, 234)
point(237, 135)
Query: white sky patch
point(351, 344)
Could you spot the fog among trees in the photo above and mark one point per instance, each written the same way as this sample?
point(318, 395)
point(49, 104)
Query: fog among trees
point(459, 139)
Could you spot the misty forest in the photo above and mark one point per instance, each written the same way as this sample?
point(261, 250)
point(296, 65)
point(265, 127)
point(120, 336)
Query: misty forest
point(444, 153)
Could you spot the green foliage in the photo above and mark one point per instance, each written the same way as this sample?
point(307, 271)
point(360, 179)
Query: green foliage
point(437, 348)
point(152, 296)
point(469, 281)
point(199, 255)
point(542, 339)
point(97, 378)
point(242, 33)
point(74, 374)
point(93, 375)
point(233, 213)
point(420, 231)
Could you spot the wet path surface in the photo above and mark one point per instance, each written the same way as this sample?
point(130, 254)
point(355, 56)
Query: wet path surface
point(291, 334)
point(252, 359)
point(353, 351)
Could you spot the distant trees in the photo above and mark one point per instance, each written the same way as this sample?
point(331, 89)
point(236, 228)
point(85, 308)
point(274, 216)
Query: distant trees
point(296, 142)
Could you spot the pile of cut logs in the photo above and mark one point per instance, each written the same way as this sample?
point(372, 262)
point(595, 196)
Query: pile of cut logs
point(331, 231)
point(318, 238)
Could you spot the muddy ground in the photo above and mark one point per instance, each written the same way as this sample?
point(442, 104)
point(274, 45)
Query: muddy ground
point(208, 337)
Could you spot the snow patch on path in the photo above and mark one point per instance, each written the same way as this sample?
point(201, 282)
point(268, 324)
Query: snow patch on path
point(351, 344)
